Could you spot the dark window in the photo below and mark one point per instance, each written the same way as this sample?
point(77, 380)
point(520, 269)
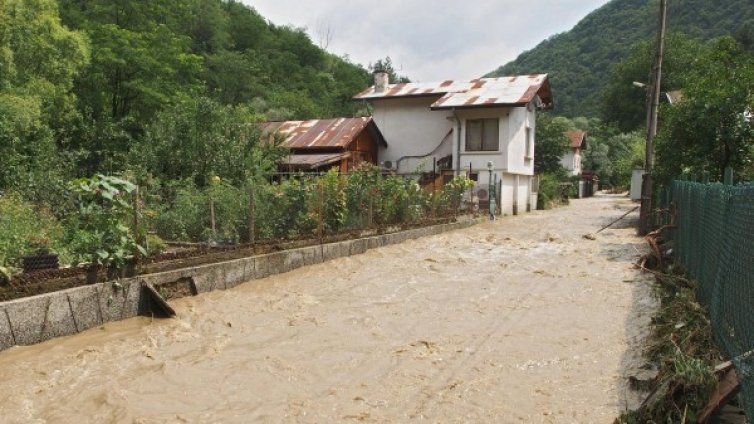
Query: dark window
point(482, 135)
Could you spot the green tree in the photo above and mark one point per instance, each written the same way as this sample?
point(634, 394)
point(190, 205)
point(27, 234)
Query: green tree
point(625, 105)
point(200, 138)
point(579, 60)
point(709, 129)
point(39, 59)
point(552, 143)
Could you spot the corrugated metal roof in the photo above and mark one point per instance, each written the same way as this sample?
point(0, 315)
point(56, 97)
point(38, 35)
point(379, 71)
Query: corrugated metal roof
point(319, 134)
point(314, 161)
point(484, 92)
point(577, 139)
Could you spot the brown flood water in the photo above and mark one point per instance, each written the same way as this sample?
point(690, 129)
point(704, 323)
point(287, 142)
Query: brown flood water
point(521, 320)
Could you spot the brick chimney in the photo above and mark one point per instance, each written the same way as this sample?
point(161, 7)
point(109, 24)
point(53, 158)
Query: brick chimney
point(381, 81)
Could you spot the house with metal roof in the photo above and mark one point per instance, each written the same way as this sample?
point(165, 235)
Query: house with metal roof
point(484, 128)
point(318, 145)
point(572, 159)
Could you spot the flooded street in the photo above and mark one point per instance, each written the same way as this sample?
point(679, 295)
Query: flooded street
point(520, 320)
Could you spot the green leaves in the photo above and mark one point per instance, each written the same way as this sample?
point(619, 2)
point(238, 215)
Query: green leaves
point(551, 143)
point(101, 234)
point(707, 130)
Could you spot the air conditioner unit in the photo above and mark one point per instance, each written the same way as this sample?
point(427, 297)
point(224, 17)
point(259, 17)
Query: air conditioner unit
point(387, 164)
point(482, 194)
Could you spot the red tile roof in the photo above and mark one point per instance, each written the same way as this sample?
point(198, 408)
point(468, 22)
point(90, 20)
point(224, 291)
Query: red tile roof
point(577, 138)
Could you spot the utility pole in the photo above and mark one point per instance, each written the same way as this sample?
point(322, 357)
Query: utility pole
point(645, 224)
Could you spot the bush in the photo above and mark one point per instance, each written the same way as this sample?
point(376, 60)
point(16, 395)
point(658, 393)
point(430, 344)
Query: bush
point(185, 216)
point(188, 216)
point(361, 192)
point(20, 225)
point(155, 245)
point(335, 207)
point(554, 189)
point(102, 233)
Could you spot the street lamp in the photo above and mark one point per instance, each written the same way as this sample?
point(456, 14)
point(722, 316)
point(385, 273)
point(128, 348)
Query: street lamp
point(492, 191)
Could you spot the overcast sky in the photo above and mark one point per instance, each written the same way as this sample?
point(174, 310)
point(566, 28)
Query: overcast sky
point(430, 40)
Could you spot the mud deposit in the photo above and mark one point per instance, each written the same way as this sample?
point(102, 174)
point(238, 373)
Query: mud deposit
point(520, 320)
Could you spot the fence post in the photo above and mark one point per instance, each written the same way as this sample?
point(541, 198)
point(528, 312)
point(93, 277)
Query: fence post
point(728, 180)
point(212, 217)
point(252, 216)
point(321, 210)
point(137, 233)
point(370, 212)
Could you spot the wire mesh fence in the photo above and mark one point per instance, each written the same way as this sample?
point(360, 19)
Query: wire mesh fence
point(290, 206)
point(714, 241)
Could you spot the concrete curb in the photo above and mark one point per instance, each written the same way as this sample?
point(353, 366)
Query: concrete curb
point(36, 319)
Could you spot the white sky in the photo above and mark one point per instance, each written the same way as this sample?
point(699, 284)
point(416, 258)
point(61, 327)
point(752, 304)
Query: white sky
point(431, 40)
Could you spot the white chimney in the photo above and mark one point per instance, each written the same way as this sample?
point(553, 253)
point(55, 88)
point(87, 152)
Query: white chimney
point(381, 81)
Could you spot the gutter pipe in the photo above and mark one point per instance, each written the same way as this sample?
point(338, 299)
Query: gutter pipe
point(458, 142)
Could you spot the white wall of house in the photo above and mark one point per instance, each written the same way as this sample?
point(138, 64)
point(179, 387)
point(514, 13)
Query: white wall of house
point(522, 123)
point(477, 160)
point(572, 162)
point(411, 128)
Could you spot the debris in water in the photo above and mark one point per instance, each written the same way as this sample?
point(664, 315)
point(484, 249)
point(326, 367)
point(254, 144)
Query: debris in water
point(590, 237)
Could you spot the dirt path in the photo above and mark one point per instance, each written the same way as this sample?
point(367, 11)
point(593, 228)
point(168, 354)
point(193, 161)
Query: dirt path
point(520, 320)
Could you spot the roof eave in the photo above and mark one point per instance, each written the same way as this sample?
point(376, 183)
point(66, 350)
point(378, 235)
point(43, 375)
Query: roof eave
point(480, 106)
point(405, 96)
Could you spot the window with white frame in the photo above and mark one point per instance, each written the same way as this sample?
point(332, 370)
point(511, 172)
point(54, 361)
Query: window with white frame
point(529, 152)
point(482, 135)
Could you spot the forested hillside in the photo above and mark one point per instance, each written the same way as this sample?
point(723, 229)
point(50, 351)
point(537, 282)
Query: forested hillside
point(579, 61)
point(85, 85)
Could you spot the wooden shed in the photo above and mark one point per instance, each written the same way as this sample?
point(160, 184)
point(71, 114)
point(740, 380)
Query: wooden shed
point(319, 145)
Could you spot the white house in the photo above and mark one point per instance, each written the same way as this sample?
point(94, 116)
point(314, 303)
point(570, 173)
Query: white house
point(572, 159)
point(459, 127)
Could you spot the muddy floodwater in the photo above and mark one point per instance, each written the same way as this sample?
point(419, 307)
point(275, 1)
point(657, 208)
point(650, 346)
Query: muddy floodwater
point(520, 320)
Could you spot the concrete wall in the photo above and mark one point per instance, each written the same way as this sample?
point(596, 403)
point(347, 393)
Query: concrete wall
point(637, 179)
point(519, 160)
point(36, 319)
point(411, 128)
point(508, 192)
point(523, 194)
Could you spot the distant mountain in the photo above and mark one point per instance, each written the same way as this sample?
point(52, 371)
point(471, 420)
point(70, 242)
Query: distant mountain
point(579, 60)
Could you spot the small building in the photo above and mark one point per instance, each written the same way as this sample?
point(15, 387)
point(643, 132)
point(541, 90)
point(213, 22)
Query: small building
point(318, 145)
point(573, 158)
point(464, 127)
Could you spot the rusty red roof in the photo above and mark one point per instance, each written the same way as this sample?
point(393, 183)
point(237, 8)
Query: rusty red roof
point(314, 161)
point(321, 133)
point(577, 139)
point(484, 92)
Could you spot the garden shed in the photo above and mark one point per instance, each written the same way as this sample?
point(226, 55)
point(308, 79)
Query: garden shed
point(322, 144)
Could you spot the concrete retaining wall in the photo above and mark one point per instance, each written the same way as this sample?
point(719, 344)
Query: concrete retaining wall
point(36, 319)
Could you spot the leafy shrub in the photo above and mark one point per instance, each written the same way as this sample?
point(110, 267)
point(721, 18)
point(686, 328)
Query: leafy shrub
point(361, 190)
point(155, 245)
point(184, 217)
point(22, 227)
point(231, 205)
point(187, 217)
point(335, 206)
point(392, 200)
point(284, 209)
point(554, 189)
point(455, 189)
point(102, 234)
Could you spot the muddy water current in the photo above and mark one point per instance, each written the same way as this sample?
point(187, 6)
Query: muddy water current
point(520, 320)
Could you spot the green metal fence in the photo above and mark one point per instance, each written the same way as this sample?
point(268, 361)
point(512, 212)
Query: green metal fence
point(714, 241)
